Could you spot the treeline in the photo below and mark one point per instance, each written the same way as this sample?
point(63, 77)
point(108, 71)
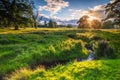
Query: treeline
point(85, 23)
point(21, 13)
point(53, 24)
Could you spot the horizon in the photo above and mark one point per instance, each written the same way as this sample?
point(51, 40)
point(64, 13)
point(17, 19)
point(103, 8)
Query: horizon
point(66, 10)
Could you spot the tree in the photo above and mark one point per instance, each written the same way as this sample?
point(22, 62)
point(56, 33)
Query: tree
point(36, 18)
point(107, 24)
point(113, 11)
point(95, 24)
point(15, 11)
point(45, 23)
point(52, 24)
point(55, 24)
point(69, 26)
point(83, 22)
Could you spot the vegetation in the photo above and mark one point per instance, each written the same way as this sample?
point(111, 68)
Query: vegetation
point(92, 70)
point(54, 53)
point(95, 24)
point(113, 11)
point(83, 22)
point(108, 24)
point(15, 13)
point(34, 47)
point(52, 24)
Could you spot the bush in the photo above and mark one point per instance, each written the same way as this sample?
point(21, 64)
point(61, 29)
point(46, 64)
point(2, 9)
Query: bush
point(95, 37)
point(73, 36)
point(103, 50)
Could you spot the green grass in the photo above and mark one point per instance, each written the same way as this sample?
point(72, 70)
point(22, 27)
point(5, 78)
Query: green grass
point(87, 70)
point(31, 47)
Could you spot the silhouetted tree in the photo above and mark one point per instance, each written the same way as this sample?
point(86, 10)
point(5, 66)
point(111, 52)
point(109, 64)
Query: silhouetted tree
point(83, 22)
point(36, 18)
point(95, 24)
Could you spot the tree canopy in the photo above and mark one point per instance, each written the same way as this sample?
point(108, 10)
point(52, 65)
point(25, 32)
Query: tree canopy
point(113, 11)
point(83, 22)
point(16, 12)
point(52, 24)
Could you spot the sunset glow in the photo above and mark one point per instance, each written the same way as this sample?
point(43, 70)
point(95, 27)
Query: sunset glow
point(70, 10)
point(91, 18)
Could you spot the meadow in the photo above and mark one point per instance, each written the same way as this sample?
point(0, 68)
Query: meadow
point(52, 53)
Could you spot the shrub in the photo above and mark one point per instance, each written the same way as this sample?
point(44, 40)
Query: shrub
point(73, 36)
point(96, 37)
point(104, 50)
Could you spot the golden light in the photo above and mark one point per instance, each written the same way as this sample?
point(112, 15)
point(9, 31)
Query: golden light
point(91, 18)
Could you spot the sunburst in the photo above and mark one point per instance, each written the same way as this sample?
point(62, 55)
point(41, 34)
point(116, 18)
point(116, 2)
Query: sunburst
point(91, 18)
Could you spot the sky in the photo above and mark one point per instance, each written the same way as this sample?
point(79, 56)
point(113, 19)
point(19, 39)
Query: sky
point(71, 9)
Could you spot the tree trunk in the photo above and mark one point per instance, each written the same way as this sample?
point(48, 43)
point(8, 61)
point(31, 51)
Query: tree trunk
point(16, 27)
point(35, 25)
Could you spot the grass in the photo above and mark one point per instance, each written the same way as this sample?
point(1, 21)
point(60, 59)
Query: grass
point(88, 70)
point(30, 47)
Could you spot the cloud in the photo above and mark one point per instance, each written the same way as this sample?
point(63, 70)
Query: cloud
point(75, 13)
point(54, 6)
point(43, 15)
point(98, 12)
point(111, 1)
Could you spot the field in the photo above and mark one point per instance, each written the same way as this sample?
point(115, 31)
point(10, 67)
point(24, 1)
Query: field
point(49, 53)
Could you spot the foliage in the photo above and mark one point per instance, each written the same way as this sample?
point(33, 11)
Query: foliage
point(36, 19)
point(113, 11)
point(31, 47)
point(52, 24)
point(108, 24)
point(69, 26)
point(83, 22)
point(103, 50)
point(95, 24)
point(15, 12)
point(87, 70)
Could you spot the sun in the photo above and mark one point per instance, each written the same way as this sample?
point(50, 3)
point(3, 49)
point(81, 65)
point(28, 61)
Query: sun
point(91, 18)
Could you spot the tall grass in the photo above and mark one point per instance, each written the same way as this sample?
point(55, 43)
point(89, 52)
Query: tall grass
point(89, 70)
point(31, 47)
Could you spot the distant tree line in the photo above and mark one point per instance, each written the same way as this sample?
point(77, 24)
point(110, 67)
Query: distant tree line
point(53, 24)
